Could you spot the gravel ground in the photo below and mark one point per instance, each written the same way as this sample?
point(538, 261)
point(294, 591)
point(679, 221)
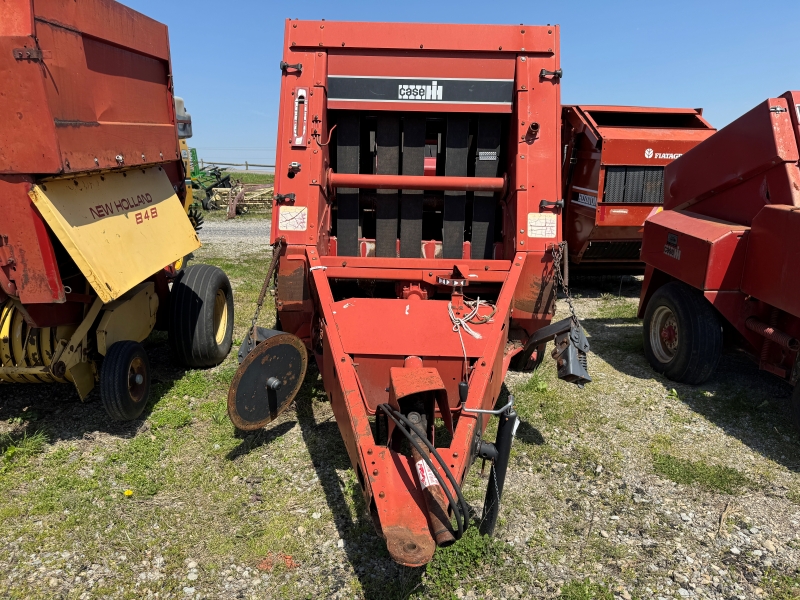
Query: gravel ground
point(633, 487)
point(237, 235)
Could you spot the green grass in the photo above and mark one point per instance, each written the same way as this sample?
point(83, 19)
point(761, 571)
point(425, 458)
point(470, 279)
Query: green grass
point(474, 561)
point(585, 590)
point(252, 177)
point(688, 472)
point(14, 448)
point(780, 586)
point(616, 308)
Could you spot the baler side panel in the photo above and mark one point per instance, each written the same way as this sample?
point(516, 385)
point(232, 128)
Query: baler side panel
point(704, 253)
point(27, 252)
point(107, 101)
point(773, 254)
point(29, 142)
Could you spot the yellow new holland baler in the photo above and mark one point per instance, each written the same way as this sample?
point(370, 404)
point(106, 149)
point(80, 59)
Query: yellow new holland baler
point(92, 214)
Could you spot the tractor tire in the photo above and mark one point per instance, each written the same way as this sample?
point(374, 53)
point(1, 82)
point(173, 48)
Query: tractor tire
point(795, 407)
point(682, 334)
point(209, 202)
point(201, 316)
point(125, 381)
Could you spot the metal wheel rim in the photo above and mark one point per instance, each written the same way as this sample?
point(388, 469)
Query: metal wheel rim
point(136, 388)
point(664, 334)
point(220, 316)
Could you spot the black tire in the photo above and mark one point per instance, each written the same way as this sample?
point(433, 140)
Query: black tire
point(125, 381)
point(201, 316)
point(795, 407)
point(682, 334)
point(208, 201)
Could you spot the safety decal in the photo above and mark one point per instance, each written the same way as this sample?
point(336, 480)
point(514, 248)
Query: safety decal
point(542, 225)
point(425, 475)
point(293, 218)
point(671, 248)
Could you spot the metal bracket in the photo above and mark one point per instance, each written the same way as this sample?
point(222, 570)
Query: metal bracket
point(497, 412)
point(32, 54)
point(778, 109)
point(286, 66)
point(557, 74)
point(545, 204)
point(281, 198)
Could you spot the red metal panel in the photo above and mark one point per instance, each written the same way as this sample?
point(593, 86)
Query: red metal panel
point(100, 90)
point(421, 36)
point(773, 256)
point(29, 143)
point(752, 144)
point(32, 266)
point(649, 148)
point(793, 98)
point(398, 322)
point(109, 21)
point(107, 101)
point(17, 18)
point(702, 252)
point(431, 65)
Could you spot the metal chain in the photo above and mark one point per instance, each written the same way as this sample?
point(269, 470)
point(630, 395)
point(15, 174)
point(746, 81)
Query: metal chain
point(276, 252)
point(558, 258)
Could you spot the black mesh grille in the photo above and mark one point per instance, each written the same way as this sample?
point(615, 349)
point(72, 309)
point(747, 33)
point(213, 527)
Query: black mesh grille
point(639, 185)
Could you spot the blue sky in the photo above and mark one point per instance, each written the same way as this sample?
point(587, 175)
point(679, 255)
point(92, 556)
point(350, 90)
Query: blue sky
point(723, 56)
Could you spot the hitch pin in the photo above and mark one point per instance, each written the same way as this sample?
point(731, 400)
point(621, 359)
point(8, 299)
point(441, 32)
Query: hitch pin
point(497, 412)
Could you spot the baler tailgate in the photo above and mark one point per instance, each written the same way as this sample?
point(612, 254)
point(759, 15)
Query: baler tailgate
point(117, 239)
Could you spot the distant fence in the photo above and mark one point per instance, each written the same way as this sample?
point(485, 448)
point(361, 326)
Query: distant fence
point(245, 164)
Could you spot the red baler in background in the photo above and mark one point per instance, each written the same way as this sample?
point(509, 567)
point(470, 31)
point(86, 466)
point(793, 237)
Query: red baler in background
point(415, 227)
point(613, 173)
point(725, 252)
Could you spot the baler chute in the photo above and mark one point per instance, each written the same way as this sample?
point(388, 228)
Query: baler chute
point(415, 223)
point(92, 221)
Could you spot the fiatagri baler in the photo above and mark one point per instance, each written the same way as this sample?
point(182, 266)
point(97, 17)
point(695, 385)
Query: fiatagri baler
point(91, 190)
point(613, 176)
point(417, 253)
point(723, 255)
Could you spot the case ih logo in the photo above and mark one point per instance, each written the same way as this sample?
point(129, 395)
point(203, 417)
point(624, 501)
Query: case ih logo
point(663, 155)
point(420, 92)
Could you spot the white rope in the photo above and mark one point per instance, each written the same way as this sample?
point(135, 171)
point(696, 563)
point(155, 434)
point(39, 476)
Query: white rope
point(460, 323)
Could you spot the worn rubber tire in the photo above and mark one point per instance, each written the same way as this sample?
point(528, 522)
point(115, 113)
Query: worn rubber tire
point(123, 398)
point(699, 345)
point(196, 333)
point(795, 407)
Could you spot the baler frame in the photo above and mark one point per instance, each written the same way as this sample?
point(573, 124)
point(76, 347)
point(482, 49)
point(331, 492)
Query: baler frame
point(405, 356)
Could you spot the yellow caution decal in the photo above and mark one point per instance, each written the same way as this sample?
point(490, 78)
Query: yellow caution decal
point(119, 228)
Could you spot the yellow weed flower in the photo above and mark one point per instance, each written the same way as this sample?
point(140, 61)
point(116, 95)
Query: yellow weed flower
point(128, 492)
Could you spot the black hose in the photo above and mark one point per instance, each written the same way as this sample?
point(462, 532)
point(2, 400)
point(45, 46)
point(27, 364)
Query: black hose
point(454, 507)
point(461, 512)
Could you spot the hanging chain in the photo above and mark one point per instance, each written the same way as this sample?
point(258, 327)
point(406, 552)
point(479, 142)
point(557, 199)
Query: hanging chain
point(276, 252)
point(559, 251)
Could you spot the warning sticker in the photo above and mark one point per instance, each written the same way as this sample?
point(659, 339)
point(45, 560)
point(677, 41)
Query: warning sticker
point(293, 218)
point(426, 476)
point(542, 225)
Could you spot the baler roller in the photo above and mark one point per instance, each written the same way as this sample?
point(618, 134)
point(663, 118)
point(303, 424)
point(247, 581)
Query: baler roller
point(22, 346)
